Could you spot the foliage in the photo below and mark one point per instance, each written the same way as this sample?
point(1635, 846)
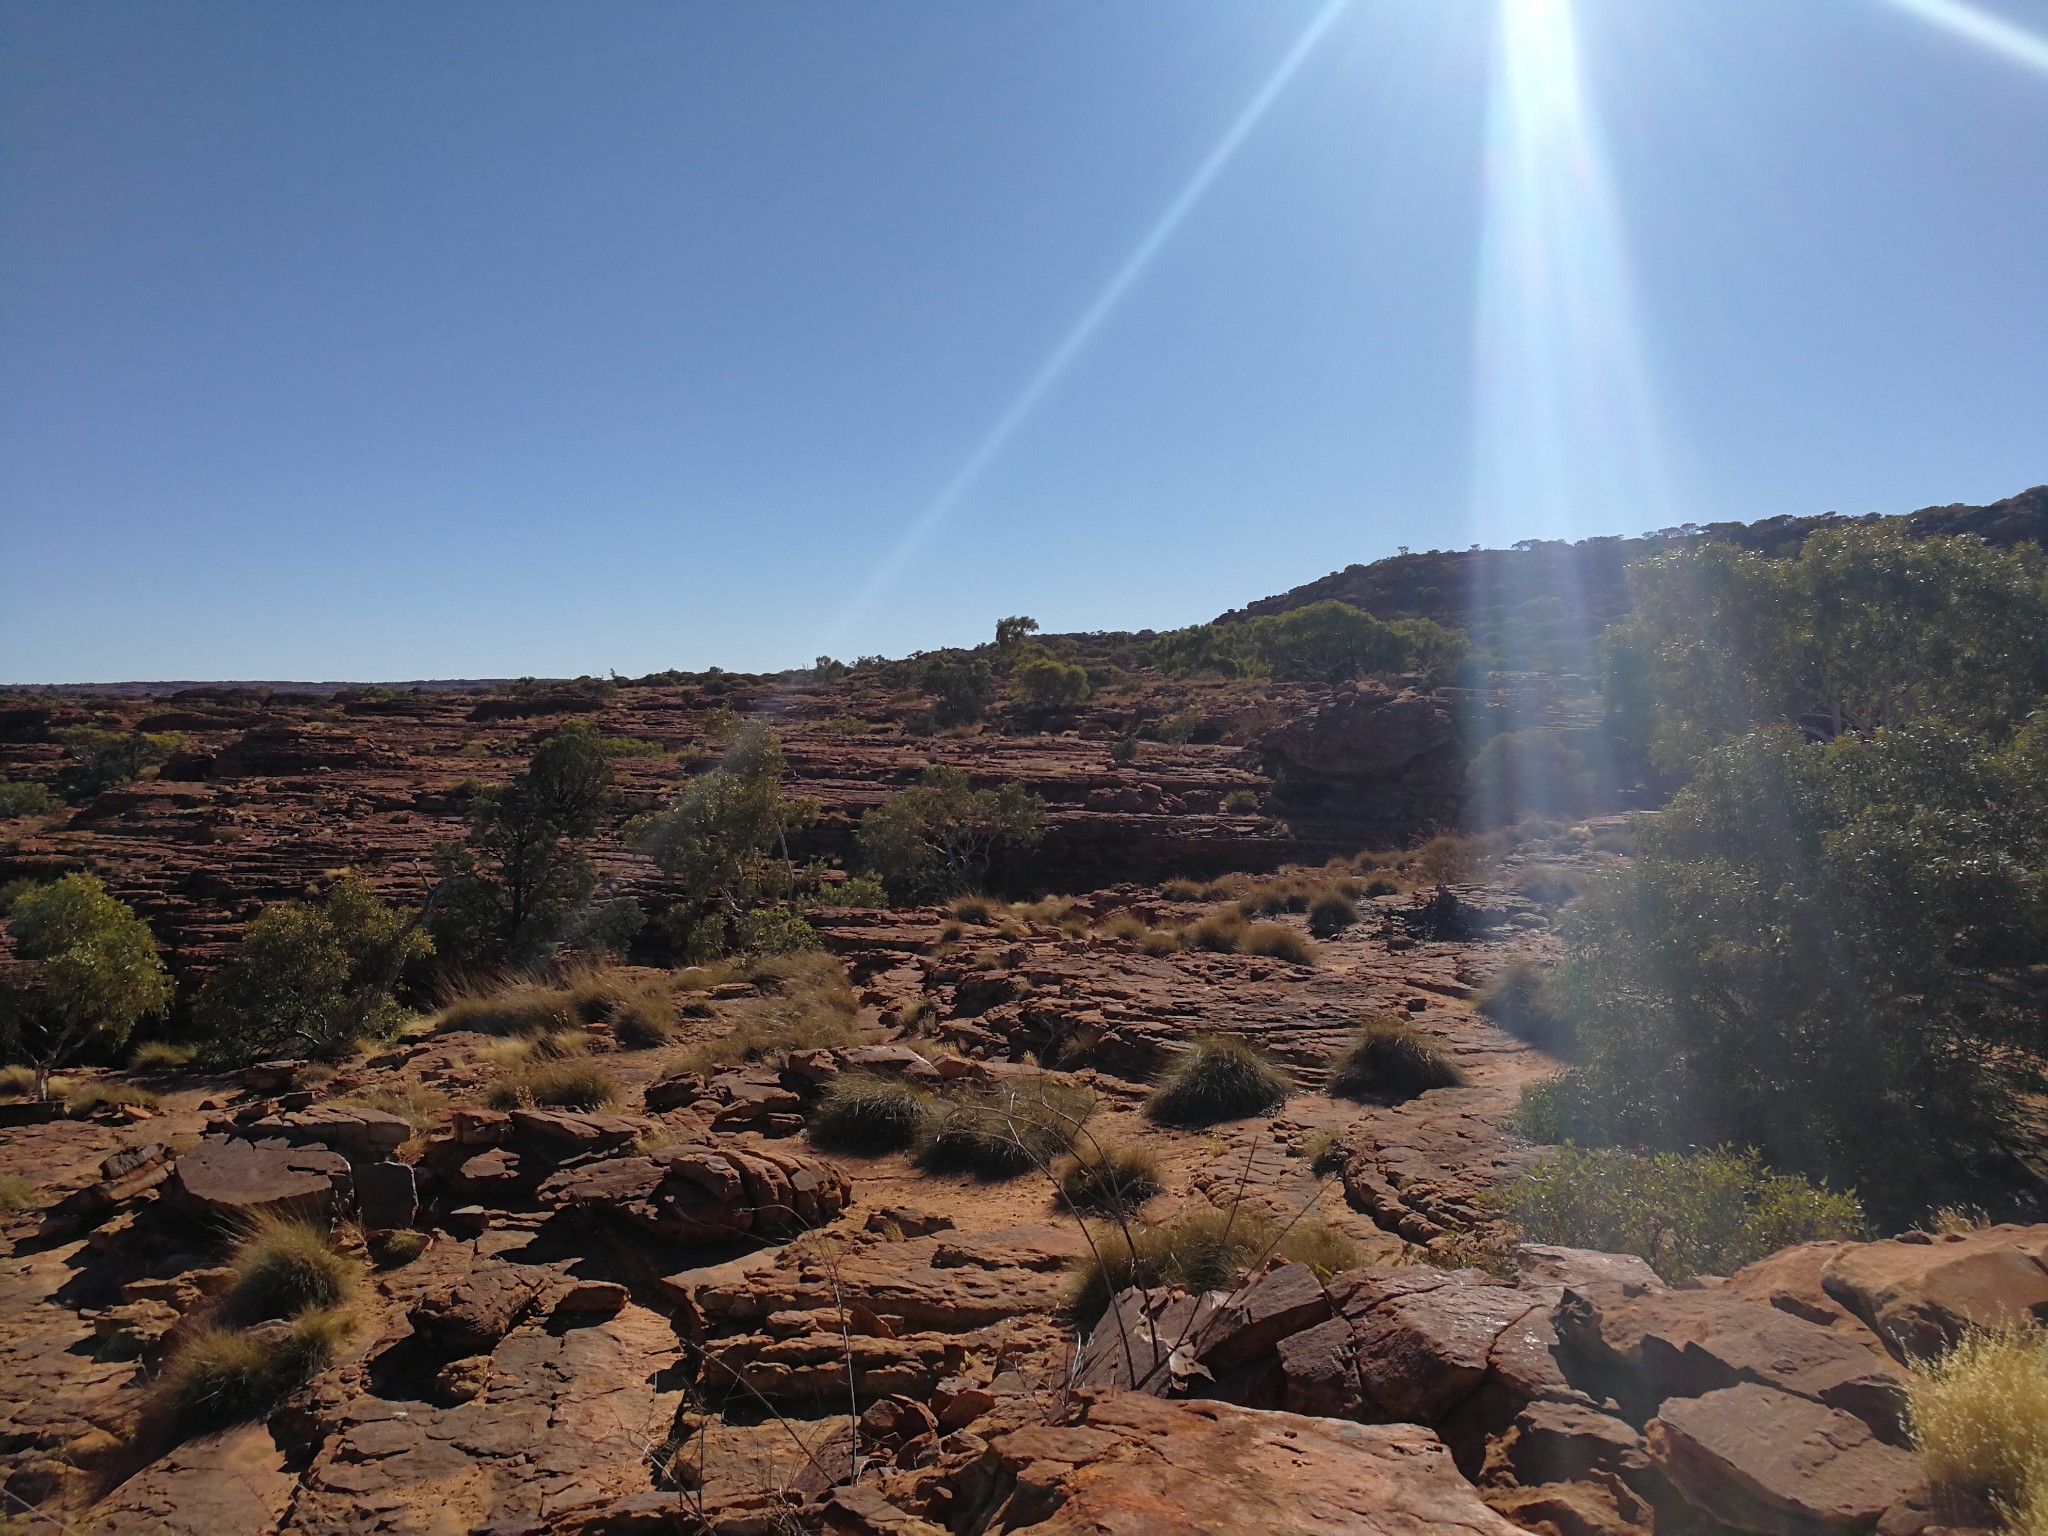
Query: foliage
point(1007, 1129)
point(1828, 952)
point(810, 1004)
point(1278, 942)
point(101, 758)
point(283, 1267)
point(566, 1084)
point(961, 688)
point(1868, 628)
point(1010, 632)
point(83, 1099)
point(1109, 1178)
point(93, 973)
point(1326, 642)
point(1219, 1077)
point(1392, 1058)
point(938, 839)
point(1979, 1417)
point(309, 978)
point(28, 799)
point(1684, 1213)
point(1330, 913)
point(159, 1056)
point(720, 839)
point(1517, 772)
point(861, 1112)
point(1522, 998)
point(521, 882)
point(1048, 682)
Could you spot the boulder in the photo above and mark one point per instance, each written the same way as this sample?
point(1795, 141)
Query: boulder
point(1137, 1466)
point(697, 1193)
point(1763, 1460)
point(357, 1133)
point(469, 1316)
point(1553, 1442)
point(558, 1136)
point(231, 1180)
point(1425, 1338)
point(387, 1195)
point(1919, 1293)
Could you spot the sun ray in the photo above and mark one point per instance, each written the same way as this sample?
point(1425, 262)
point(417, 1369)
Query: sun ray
point(1980, 26)
point(1091, 320)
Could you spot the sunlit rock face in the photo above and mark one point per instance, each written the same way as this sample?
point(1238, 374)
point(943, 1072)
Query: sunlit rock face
point(1370, 758)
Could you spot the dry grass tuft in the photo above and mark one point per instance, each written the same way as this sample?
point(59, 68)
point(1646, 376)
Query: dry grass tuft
point(1979, 1415)
point(570, 1084)
point(221, 1376)
point(1279, 942)
point(16, 1195)
point(1391, 1058)
point(865, 1113)
point(1109, 1179)
point(809, 1004)
point(284, 1267)
point(160, 1056)
point(1204, 1249)
point(1220, 1077)
point(1007, 1129)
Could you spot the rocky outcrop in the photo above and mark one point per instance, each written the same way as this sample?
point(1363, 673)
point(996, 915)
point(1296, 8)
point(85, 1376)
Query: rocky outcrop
point(1370, 758)
point(228, 1180)
point(704, 1193)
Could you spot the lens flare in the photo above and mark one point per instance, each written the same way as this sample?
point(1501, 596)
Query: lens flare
point(1981, 27)
point(1083, 330)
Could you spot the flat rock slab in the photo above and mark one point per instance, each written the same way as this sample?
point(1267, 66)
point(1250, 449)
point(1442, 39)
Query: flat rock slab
point(1763, 1460)
point(1137, 1466)
point(361, 1133)
point(227, 1179)
point(1919, 1296)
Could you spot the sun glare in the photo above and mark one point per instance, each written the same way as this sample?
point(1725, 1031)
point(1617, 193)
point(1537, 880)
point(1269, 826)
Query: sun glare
point(1981, 27)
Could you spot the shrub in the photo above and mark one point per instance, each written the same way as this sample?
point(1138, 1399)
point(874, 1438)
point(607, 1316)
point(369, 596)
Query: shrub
point(1391, 1058)
point(554, 1085)
point(810, 1005)
point(1521, 771)
point(27, 800)
point(1127, 926)
point(221, 1376)
point(419, 1105)
point(861, 890)
point(17, 1082)
point(1108, 1179)
point(939, 838)
point(397, 1248)
point(974, 909)
point(1685, 1214)
point(283, 1268)
point(1204, 1249)
point(1279, 942)
point(95, 972)
point(16, 1194)
point(1181, 890)
point(642, 1021)
point(861, 1112)
point(1006, 1130)
point(1220, 1077)
point(1048, 683)
point(517, 1008)
point(1159, 941)
point(1979, 1415)
point(1241, 802)
point(1221, 931)
point(159, 1056)
point(1523, 1000)
point(1330, 913)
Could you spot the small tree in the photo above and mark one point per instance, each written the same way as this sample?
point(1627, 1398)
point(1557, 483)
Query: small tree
point(937, 839)
point(311, 977)
point(1048, 682)
point(521, 881)
point(92, 973)
point(726, 839)
point(1010, 632)
point(961, 689)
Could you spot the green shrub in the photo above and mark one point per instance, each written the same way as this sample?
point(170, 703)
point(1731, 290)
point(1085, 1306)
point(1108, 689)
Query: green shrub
point(221, 1376)
point(97, 972)
point(1685, 1214)
point(1220, 1077)
point(1979, 1416)
point(27, 800)
point(1330, 913)
point(283, 1268)
point(568, 1084)
point(159, 1056)
point(1523, 999)
point(1006, 1129)
point(1049, 683)
point(1241, 802)
point(861, 1112)
point(1279, 942)
point(1108, 1179)
point(1204, 1249)
point(939, 838)
point(1391, 1058)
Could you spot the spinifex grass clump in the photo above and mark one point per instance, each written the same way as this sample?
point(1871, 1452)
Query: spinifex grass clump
point(1979, 1415)
point(1523, 999)
point(1220, 1077)
point(1204, 1249)
point(1108, 1179)
point(864, 1113)
point(1391, 1058)
point(223, 1376)
point(1330, 913)
point(1279, 942)
point(568, 1084)
point(1005, 1130)
point(283, 1267)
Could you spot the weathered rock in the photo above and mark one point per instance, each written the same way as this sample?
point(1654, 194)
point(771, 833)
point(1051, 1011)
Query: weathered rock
point(1919, 1296)
point(1764, 1460)
point(559, 1136)
point(1599, 1506)
point(470, 1315)
point(1147, 1341)
point(1425, 1340)
point(229, 1179)
point(387, 1195)
point(479, 1127)
point(356, 1133)
point(1282, 1301)
point(1561, 1442)
point(702, 1193)
point(272, 1077)
point(1137, 1466)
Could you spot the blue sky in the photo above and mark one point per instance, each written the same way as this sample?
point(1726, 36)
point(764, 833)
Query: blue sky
point(387, 341)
